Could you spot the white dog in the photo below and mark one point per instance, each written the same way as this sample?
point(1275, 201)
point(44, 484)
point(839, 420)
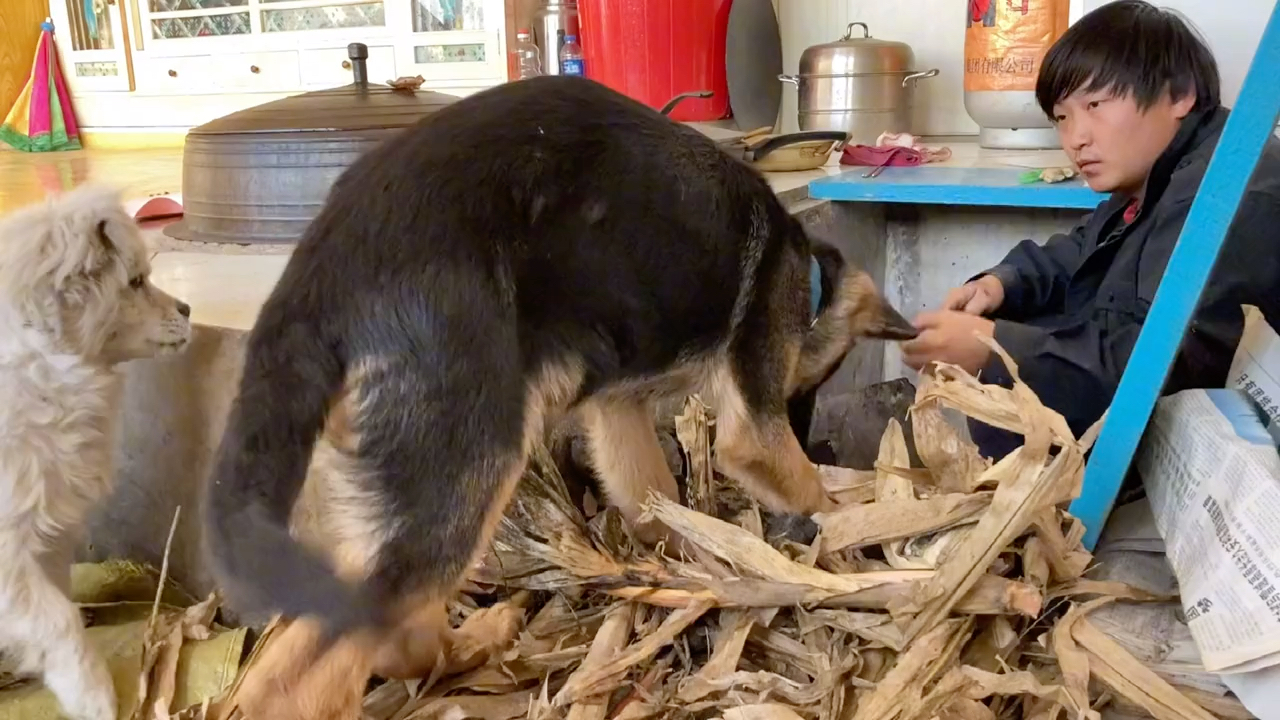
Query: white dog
point(75, 302)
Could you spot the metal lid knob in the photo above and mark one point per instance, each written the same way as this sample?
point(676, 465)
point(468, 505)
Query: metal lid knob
point(359, 52)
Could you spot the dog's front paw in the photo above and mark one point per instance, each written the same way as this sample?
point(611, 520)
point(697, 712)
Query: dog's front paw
point(91, 697)
point(487, 632)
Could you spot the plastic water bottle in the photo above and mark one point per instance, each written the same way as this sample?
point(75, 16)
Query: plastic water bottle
point(571, 57)
point(528, 58)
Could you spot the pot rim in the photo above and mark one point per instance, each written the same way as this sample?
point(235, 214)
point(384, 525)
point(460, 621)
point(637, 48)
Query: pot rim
point(908, 75)
point(807, 76)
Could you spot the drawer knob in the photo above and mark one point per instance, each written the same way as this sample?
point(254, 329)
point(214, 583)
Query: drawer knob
point(173, 73)
point(254, 69)
point(346, 64)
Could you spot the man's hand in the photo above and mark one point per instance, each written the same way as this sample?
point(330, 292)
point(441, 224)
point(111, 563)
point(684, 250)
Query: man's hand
point(949, 336)
point(979, 297)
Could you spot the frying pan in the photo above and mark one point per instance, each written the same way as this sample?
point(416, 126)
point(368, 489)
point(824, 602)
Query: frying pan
point(775, 153)
point(788, 152)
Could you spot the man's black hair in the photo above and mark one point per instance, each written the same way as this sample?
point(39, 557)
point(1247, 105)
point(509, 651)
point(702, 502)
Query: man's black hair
point(1130, 47)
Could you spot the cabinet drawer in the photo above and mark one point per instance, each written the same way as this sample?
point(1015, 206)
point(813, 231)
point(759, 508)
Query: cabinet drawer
point(237, 72)
point(325, 68)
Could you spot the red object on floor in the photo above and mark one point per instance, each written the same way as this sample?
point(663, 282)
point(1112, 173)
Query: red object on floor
point(653, 50)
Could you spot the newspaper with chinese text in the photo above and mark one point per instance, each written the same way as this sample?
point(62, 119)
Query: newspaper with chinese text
point(1132, 552)
point(1212, 473)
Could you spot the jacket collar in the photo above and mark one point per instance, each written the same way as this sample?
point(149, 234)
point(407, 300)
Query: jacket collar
point(1196, 138)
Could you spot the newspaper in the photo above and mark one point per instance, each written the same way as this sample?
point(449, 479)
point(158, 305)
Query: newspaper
point(1132, 552)
point(1131, 527)
point(1212, 474)
point(1256, 368)
point(1213, 478)
point(1155, 635)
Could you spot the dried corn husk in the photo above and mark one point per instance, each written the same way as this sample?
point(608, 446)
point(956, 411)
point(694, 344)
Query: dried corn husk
point(940, 592)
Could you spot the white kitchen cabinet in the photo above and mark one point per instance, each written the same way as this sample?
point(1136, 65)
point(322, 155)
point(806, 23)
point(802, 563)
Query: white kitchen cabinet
point(239, 48)
point(94, 49)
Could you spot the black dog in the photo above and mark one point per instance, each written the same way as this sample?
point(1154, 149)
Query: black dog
point(545, 246)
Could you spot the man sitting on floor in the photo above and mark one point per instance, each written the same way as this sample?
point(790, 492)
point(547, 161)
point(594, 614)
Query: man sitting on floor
point(1134, 93)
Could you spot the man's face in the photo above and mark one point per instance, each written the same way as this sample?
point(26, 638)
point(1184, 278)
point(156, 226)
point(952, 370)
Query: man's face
point(1112, 141)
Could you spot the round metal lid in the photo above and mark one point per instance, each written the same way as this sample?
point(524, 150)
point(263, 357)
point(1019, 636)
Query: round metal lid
point(851, 54)
point(356, 107)
point(753, 59)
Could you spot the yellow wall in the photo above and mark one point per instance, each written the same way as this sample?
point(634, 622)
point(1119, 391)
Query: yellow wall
point(19, 30)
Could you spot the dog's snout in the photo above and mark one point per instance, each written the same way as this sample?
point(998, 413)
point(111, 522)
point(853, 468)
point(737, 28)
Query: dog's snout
point(184, 309)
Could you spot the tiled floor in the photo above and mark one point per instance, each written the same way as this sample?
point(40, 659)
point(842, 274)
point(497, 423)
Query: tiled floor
point(28, 177)
point(223, 289)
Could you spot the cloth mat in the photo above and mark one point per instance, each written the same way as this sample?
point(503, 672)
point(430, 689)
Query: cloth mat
point(893, 150)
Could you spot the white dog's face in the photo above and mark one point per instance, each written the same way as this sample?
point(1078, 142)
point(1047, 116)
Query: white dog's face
point(77, 269)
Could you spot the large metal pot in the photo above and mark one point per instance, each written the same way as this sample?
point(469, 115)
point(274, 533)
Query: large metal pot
point(261, 174)
point(862, 86)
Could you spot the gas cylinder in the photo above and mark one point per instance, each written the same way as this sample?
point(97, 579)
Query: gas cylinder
point(1004, 43)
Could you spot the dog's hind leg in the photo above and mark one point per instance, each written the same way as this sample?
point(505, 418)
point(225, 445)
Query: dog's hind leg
point(421, 642)
point(44, 627)
point(429, 460)
point(300, 676)
point(628, 458)
point(296, 680)
point(476, 475)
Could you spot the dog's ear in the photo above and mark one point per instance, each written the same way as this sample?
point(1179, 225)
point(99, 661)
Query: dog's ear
point(881, 321)
point(830, 267)
point(104, 238)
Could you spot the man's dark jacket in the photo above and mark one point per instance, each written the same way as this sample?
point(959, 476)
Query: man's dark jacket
point(1073, 307)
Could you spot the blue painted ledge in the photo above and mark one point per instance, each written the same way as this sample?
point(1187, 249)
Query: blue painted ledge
point(926, 185)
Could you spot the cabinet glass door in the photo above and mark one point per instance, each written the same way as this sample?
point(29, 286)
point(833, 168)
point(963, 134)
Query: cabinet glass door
point(93, 43)
point(258, 24)
point(184, 19)
point(455, 41)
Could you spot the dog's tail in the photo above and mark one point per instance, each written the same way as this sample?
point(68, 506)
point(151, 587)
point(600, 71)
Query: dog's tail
point(290, 376)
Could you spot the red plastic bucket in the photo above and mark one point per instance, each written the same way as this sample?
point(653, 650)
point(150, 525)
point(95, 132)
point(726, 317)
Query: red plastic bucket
point(653, 50)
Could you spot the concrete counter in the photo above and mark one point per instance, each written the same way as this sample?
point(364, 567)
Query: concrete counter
point(953, 186)
point(944, 222)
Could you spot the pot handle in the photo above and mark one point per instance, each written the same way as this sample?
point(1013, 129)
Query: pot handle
point(919, 76)
point(673, 102)
point(848, 31)
point(793, 79)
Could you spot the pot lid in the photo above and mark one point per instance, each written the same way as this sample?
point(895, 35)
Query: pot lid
point(753, 60)
point(360, 106)
point(857, 54)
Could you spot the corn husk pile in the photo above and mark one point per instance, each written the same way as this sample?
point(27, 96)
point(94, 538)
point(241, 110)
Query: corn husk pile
point(953, 591)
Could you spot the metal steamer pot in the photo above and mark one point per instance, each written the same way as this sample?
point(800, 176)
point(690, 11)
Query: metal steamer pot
point(862, 86)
